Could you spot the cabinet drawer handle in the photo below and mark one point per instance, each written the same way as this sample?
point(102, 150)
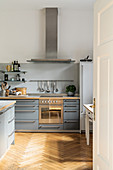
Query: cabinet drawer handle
point(75, 101)
point(11, 120)
point(70, 111)
point(57, 127)
point(26, 105)
point(11, 134)
point(25, 111)
point(19, 121)
point(66, 121)
point(69, 106)
point(26, 100)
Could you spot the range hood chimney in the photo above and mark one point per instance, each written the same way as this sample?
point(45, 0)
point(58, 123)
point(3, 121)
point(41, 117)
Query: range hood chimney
point(51, 32)
point(51, 29)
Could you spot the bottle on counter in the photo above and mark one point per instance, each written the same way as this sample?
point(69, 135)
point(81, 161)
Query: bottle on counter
point(5, 77)
point(12, 66)
point(15, 66)
point(18, 67)
point(18, 77)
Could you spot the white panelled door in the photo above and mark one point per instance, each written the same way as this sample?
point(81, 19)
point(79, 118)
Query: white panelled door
point(103, 85)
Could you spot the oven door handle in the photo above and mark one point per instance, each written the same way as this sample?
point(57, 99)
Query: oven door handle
point(57, 127)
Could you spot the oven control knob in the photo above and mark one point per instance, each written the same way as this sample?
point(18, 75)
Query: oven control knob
point(53, 101)
point(48, 101)
point(42, 101)
point(56, 101)
point(45, 101)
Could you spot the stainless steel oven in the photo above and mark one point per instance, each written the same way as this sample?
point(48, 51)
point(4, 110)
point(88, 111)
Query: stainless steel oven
point(50, 111)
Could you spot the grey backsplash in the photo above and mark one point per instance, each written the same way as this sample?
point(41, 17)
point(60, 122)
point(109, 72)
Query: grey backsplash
point(47, 71)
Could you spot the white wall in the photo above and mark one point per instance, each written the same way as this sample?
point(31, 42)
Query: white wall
point(22, 34)
point(22, 37)
point(75, 34)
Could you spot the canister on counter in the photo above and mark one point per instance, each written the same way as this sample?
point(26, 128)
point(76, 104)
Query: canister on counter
point(8, 68)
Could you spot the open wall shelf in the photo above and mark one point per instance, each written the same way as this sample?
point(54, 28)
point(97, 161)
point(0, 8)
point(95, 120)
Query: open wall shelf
point(51, 80)
point(13, 72)
point(13, 81)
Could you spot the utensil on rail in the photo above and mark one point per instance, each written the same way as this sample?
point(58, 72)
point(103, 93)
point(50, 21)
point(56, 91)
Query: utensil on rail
point(48, 90)
point(42, 86)
point(56, 89)
point(38, 84)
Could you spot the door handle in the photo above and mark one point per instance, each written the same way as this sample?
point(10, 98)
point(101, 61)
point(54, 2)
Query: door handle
point(94, 105)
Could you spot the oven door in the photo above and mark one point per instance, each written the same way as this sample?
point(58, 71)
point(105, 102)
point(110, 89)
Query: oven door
point(50, 114)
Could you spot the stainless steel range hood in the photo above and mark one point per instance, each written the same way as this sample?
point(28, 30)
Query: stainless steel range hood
point(51, 32)
point(51, 38)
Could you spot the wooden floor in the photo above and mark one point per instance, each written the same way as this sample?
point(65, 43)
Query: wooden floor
point(48, 151)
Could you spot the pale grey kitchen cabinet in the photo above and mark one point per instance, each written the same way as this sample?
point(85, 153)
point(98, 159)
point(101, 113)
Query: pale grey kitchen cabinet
point(26, 125)
point(71, 114)
point(3, 134)
point(11, 126)
point(26, 114)
point(7, 129)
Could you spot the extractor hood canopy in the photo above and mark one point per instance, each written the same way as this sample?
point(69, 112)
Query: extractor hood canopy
point(51, 60)
point(51, 38)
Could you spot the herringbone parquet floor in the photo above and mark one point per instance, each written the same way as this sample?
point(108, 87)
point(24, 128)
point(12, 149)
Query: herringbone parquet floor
point(48, 151)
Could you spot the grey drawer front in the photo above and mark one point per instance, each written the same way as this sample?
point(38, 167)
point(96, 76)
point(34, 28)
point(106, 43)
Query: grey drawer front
point(71, 114)
point(71, 102)
point(50, 127)
point(27, 102)
point(30, 107)
point(26, 124)
point(71, 125)
point(26, 114)
point(72, 107)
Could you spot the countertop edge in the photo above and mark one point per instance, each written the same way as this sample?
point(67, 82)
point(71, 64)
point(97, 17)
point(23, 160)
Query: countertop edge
point(14, 98)
point(87, 106)
point(7, 105)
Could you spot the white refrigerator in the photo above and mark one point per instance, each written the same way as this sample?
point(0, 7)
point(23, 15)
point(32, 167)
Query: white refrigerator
point(86, 89)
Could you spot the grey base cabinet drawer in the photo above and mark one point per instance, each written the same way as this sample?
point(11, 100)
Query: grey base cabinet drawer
point(25, 107)
point(71, 102)
point(27, 102)
point(76, 107)
point(71, 125)
point(26, 124)
point(71, 114)
point(26, 114)
point(50, 127)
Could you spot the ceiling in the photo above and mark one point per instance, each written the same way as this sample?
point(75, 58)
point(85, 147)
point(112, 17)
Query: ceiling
point(39, 4)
